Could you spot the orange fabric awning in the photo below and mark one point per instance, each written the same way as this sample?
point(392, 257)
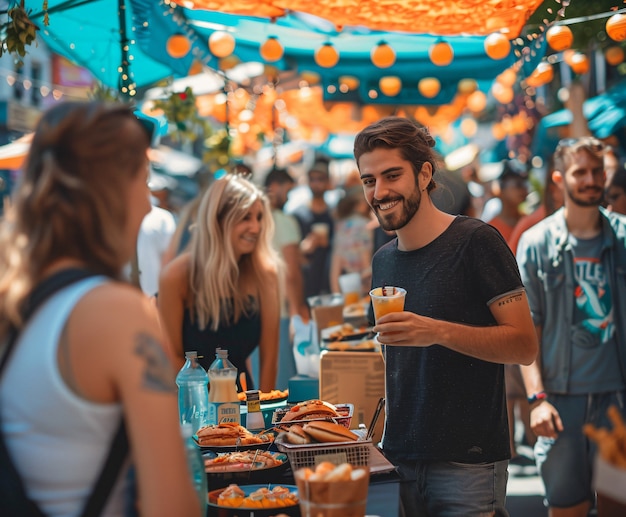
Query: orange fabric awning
point(465, 17)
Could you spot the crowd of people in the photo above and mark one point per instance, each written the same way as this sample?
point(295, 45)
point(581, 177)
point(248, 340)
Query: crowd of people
point(511, 313)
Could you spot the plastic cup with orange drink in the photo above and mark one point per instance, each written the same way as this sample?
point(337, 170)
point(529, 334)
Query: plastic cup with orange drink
point(387, 299)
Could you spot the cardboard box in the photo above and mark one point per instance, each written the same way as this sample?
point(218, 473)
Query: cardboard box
point(327, 311)
point(356, 378)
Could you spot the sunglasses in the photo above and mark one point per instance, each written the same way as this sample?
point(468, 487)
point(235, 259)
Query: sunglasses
point(588, 142)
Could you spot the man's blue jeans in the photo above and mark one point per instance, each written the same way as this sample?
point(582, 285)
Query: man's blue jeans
point(449, 489)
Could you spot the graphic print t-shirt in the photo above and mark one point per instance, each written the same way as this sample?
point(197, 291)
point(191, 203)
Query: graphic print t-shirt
point(595, 364)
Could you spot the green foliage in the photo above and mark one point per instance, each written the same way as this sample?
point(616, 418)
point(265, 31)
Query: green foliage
point(217, 149)
point(100, 92)
point(180, 110)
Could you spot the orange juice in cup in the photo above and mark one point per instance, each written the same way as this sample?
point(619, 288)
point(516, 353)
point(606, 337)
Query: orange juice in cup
point(387, 299)
point(350, 286)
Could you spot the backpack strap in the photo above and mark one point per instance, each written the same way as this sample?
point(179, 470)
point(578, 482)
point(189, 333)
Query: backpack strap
point(119, 447)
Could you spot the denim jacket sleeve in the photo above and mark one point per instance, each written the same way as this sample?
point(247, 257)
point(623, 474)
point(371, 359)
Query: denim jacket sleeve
point(545, 261)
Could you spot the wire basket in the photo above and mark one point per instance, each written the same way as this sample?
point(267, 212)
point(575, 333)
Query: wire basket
point(311, 454)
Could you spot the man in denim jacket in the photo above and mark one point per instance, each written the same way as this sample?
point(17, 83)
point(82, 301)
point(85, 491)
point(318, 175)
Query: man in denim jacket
point(573, 265)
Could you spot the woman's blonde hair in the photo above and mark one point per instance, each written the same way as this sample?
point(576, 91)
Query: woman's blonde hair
point(68, 202)
point(215, 274)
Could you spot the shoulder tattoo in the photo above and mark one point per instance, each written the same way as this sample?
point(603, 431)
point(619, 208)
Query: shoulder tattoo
point(158, 374)
point(514, 297)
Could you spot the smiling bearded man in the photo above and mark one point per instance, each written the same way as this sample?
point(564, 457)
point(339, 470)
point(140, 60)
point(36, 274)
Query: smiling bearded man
point(465, 315)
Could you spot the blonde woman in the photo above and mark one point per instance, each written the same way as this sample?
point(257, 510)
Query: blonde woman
point(92, 353)
point(224, 292)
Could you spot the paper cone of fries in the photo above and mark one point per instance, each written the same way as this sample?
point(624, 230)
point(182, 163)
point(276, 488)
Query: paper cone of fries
point(333, 491)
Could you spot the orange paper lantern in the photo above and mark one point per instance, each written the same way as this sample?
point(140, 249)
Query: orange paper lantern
point(477, 101)
point(326, 56)
point(616, 27)
point(429, 87)
point(503, 94)
point(351, 82)
point(468, 127)
point(559, 37)
point(498, 132)
point(229, 62)
point(195, 68)
point(580, 63)
point(467, 86)
point(312, 78)
point(271, 50)
point(441, 53)
point(178, 46)
point(541, 75)
point(567, 56)
point(221, 44)
point(383, 55)
point(507, 78)
point(497, 46)
point(390, 85)
point(614, 55)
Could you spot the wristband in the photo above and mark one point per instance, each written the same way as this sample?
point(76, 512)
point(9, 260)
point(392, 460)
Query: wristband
point(537, 397)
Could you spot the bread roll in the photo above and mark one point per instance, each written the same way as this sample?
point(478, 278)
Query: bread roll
point(326, 432)
point(309, 410)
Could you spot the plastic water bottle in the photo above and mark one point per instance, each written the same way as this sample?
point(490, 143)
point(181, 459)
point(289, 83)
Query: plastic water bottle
point(196, 467)
point(193, 393)
point(223, 399)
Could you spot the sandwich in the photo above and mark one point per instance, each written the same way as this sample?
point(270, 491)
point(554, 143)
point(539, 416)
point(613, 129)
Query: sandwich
point(309, 410)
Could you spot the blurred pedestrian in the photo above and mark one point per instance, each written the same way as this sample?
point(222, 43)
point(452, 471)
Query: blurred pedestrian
point(354, 239)
point(465, 314)
point(92, 354)
point(278, 183)
point(224, 292)
point(316, 223)
point(616, 192)
point(572, 266)
point(511, 187)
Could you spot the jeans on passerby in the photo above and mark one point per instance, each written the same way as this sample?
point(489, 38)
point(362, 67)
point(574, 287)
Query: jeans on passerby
point(566, 464)
point(451, 489)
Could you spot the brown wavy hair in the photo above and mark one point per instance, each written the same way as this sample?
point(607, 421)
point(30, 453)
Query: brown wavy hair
point(414, 142)
point(68, 203)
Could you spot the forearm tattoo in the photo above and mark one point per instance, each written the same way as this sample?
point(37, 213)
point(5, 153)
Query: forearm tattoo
point(514, 297)
point(158, 374)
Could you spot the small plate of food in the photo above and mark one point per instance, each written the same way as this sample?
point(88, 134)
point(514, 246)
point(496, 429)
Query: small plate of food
point(263, 500)
point(229, 437)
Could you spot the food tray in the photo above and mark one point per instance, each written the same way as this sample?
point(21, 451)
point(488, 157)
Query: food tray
point(345, 416)
point(311, 454)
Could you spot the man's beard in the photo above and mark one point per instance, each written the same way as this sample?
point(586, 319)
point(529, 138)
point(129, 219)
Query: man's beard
point(410, 206)
point(585, 202)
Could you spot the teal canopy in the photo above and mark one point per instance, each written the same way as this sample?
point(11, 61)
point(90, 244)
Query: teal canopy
point(123, 44)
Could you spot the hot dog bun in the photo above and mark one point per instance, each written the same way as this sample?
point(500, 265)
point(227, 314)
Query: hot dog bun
point(325, 432)
point(309, 410)
point(297, 436)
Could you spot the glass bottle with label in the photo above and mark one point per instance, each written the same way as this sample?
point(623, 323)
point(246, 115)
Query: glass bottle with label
point(223, 399)
point(254, 417)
